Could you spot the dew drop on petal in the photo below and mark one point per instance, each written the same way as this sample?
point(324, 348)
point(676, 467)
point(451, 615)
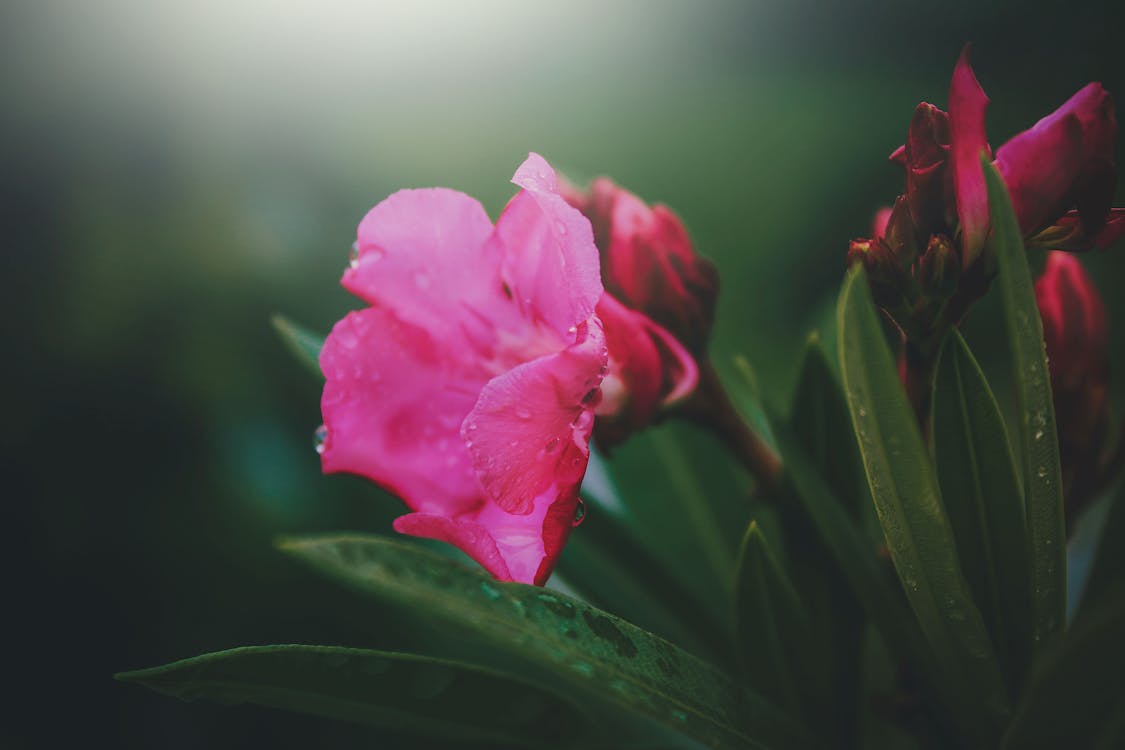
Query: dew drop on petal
point(579, 512)
point(320, 436)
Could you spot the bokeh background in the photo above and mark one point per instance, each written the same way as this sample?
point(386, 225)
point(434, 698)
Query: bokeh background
point(172, 174)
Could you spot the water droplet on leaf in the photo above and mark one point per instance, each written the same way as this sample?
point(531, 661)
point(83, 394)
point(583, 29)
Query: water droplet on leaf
point(320, 436)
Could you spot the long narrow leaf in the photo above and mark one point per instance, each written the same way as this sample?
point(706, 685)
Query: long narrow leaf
point(775, 640)
point(402, 692)
point(598, 654)
point(820, 420)
point(303, 343)
point(908, 503)
point(873, 586)
point(1077, 686)
point(1042, 474)
point(982, 496)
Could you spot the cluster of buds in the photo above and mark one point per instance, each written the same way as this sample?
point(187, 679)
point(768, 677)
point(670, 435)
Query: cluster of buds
point(926, 258)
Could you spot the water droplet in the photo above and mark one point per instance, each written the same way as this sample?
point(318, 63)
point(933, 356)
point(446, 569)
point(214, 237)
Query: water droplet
point(1041, 472)
point(489, 590)
point(862, 412)
point(583, 668)
point(560, 227)
point(353, 258)
point(579, 512)
point(523, 414)
point(1039, 434)
point(319, 438)
point(551, 445)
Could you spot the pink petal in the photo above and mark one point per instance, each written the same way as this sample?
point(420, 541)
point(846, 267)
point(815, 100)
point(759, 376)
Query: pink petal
point(967, 104)
point(1040, 167)
point(424, 254)
point(510, 546)
point(1064, 158)
point(879, 222)
point(649, 369)
point(550, 263)
point(393, 403)
point(531, 426)
point(1113, 230)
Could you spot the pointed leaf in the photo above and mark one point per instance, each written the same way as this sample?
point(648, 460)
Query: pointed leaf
point(982, 496)
point(821, 422)
point(407, 693)
point(1107, 572)
point(873, 586)
point(776, 647)
point(1078, 686)
point(599, 655)
point(303, 343)
point(908, 503)
point(1042, 475)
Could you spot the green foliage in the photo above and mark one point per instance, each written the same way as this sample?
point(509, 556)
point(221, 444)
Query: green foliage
point(905, 491)
point(776, 647)
point(303, 343)
point(599, 656)
point(395, 691)
point(1042, 475)
point(985, 504)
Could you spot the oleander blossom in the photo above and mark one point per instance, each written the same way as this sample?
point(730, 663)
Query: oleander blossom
point(469, 385)
point(1061, 176)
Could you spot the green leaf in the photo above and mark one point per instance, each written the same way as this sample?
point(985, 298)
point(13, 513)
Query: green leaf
point(822, 423)
point(598, 655)
point(303, 343)
point(413, 694)
point(982, 496)
point(1078, 687)
point(609, 567)
point(1107, 572)
point(776, 647)
point(1042, 475)
point(823, 426)
point(856, 559)
point(908, 503)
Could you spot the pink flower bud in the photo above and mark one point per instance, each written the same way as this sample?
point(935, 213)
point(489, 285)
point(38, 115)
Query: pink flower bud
point(1074, 331)
point(648, 262)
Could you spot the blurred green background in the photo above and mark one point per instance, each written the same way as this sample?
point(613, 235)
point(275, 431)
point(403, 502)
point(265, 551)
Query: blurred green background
point(173, 173)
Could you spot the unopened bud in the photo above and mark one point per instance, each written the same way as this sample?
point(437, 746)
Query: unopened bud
point(883, 273)
point(939, 268)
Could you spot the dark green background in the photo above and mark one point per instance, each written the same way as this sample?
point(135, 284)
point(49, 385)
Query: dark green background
point(171, 176)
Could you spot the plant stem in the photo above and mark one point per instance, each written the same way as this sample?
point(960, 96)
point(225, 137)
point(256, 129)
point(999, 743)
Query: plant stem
point(711, 407)
point(917, 368)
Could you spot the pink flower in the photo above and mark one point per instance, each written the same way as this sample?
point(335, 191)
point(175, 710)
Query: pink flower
point(1060, 172)
point(658, 307)
point(469, 385)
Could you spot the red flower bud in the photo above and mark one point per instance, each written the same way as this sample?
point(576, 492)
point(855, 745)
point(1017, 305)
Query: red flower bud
point(648, 262)
point(939, 268)
point(1074, 331)
point(883, 273)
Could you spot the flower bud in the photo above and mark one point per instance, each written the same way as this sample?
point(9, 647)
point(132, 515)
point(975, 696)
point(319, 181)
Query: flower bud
point(939, 269)
point(1074, 332)
point(883, 273)
point(648, 262)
